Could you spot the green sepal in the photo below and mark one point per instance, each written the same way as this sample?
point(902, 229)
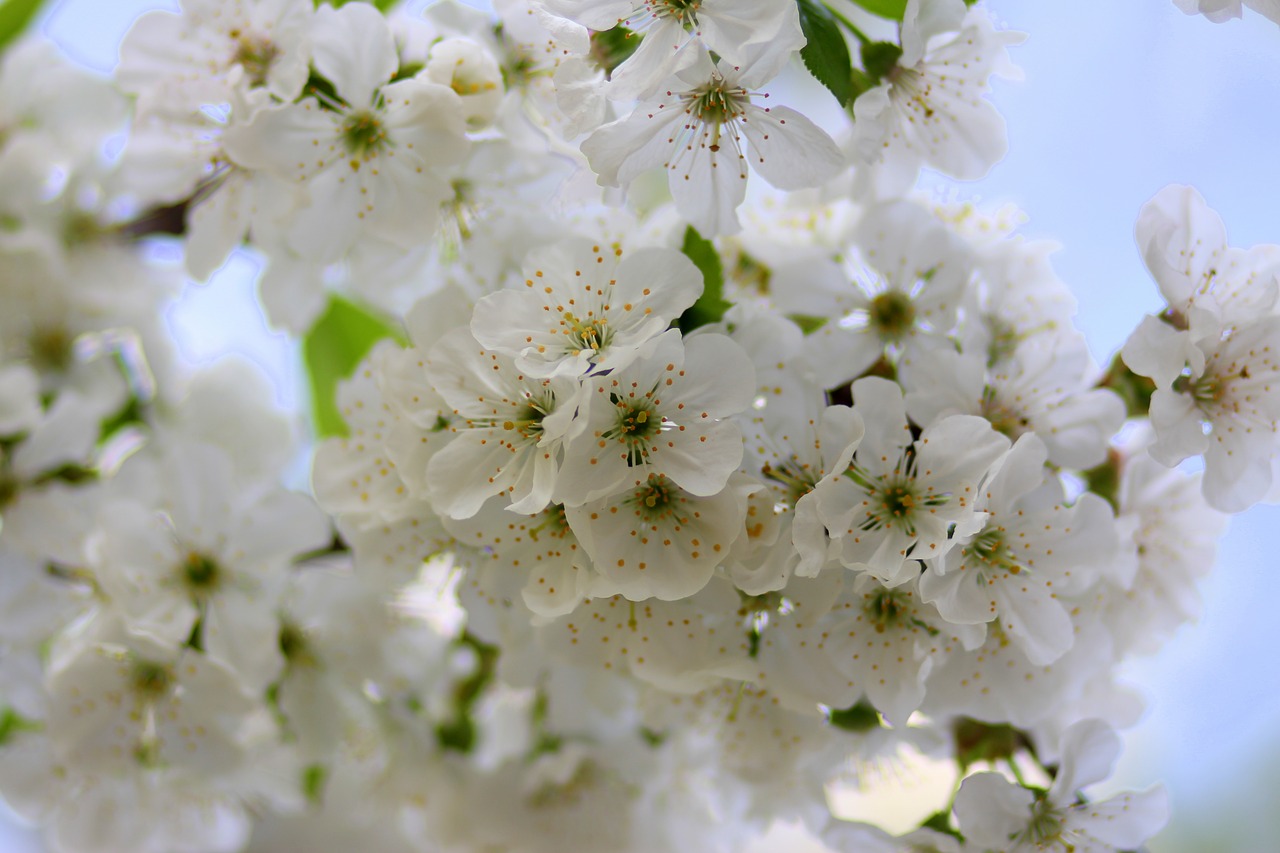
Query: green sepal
point(826, 53)
point(711, 305)
point(15, 16)
point(333, 348)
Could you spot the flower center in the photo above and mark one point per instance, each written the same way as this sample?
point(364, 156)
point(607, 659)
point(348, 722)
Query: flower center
point(51, 348)
point(527, 419)
point(990, 547)
point(592, 333)
point(363, 135)
point(294, 645)
point(656, 500)
point(552, 522)
point(636, 422)
point(892, 314)
point(200, 573)
point(894, 500)
point(887, 609)
point(255, 56)
point(1206, 390)
point(684, 11)
point(150, 680)
point(796, 479)
point(715, 104)
point(1004, 420)
point(1046, 825)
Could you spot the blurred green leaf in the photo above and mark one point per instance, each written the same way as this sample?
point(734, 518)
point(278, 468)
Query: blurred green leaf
point(15, 15)
point(879, 58)
point(380, 5)
point(338, 341)
point(711, 305)
point(891, 9)
point(826, 53)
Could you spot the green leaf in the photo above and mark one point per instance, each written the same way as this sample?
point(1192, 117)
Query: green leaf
point(314, 777)
point(12, 723)
point(611, 48)
point(338, 341)
point(977, 741)
point(879, 58)
point(891, 9)
point(711, 305)
point(380, 5)
point(861, 717)
point(941, 822)
point(1134, 389)
point(15, 15)
point(826, 54)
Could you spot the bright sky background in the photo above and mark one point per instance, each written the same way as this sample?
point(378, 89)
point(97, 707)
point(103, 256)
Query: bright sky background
point(1121, 97)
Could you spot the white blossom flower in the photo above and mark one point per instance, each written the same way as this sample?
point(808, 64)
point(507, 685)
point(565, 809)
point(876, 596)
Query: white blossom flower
point(508, 429)
point(1174, 536)
point(372, 162)
point(1045, 387)
point(672, 32)
point(667, 413)
point(1207, 284)
point(120, 701)
point(904, 301)
point(931, 109)
point(900, 501)
point(995, 814)
point(183, 61)
point(207, 561)
point(1224, 10)
point(1214, 395)
point(705, 131)
point(1030, 553)
point(585, 307)
point(658, 540)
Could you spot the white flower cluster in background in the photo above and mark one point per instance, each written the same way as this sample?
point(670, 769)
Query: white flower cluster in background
point(685, 460)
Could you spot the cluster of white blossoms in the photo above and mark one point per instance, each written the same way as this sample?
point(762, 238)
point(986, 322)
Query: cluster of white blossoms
point(650, 506)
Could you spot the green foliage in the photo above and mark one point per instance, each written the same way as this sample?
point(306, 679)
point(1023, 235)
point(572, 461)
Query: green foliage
point(879, 58)
point(1135, 390)
point(338, 341)
point(711, 305)
point(12, 723)
point(1104, 480)
point(826, 54)
point(380, 5)
point(313, 778)
point(808, 323)
point(15, 16)
point(983, 742)
point(941, 822)
point(611, 48)
point(891, 9)
point(862, 717)
point(459, 732)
